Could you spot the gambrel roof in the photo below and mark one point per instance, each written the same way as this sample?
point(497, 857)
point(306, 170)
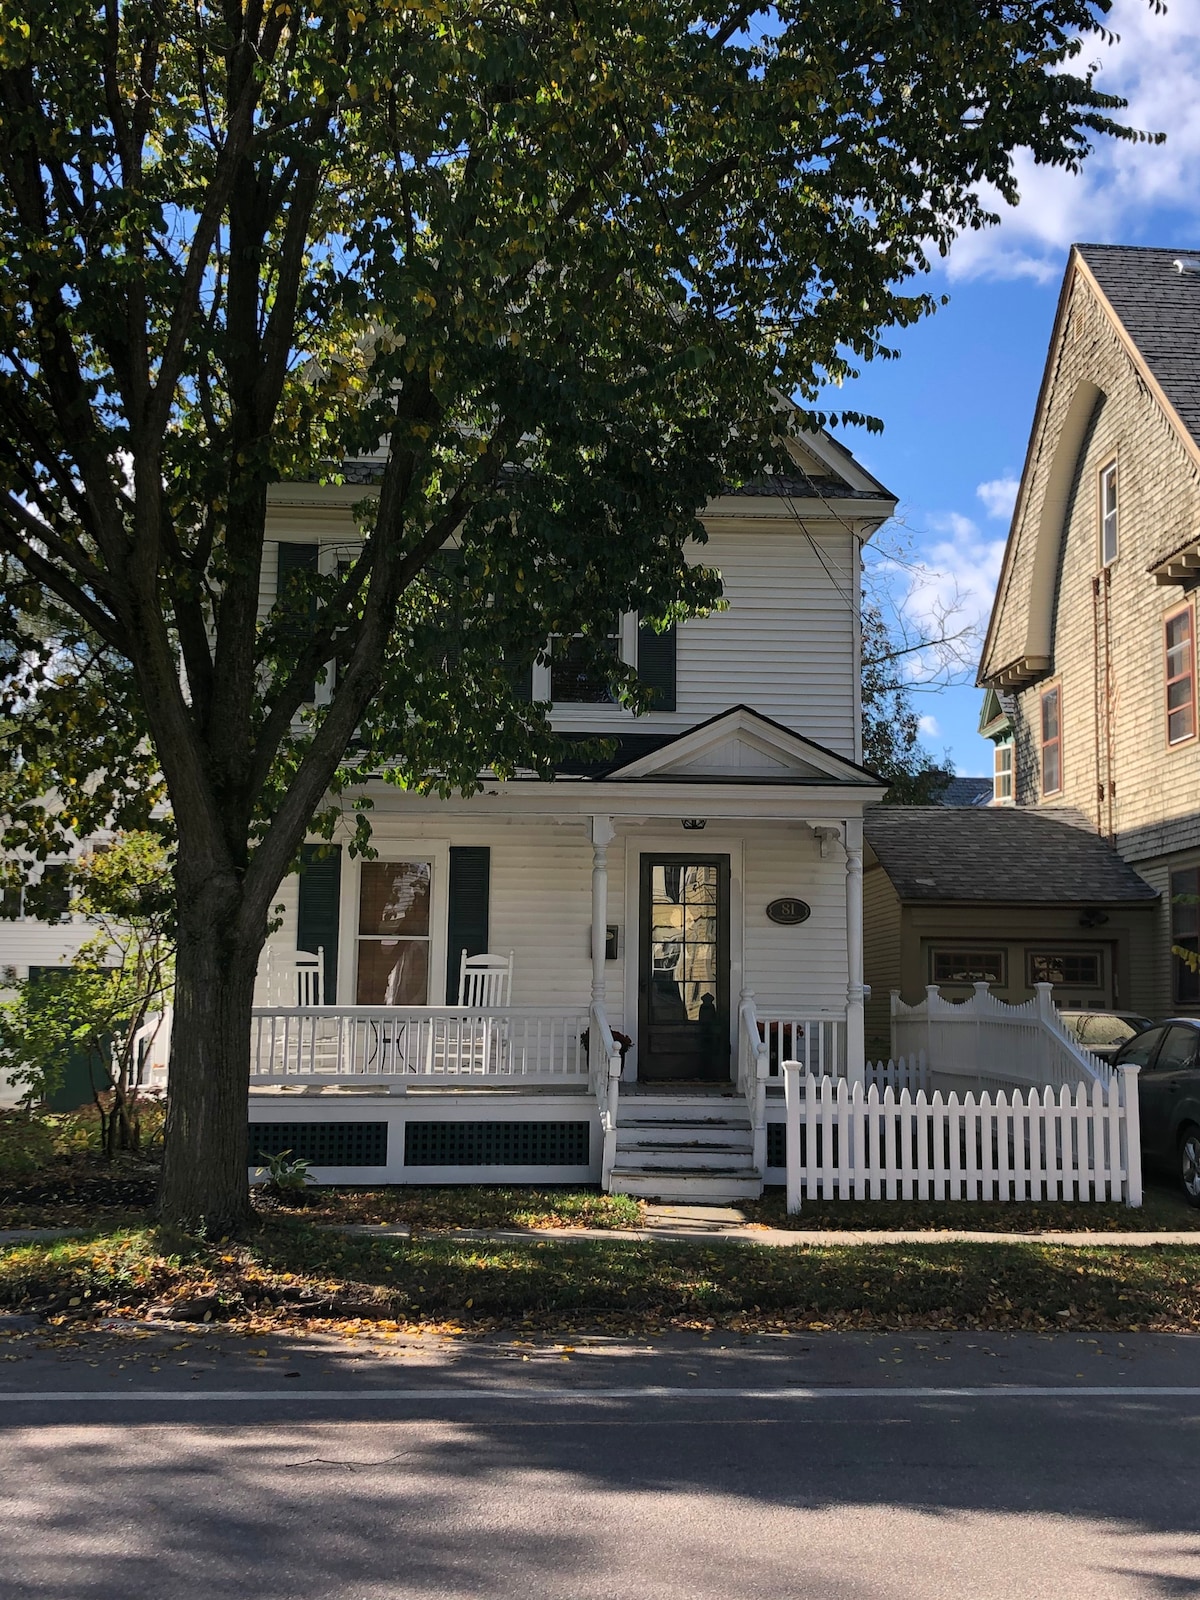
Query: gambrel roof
point(1150, 298)
point(1159, 308)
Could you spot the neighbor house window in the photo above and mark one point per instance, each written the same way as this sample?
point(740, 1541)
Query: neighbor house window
point(393, 933)
point(1185, 936)
point(1181, 676)
point(967, 966)
point(1052, 741)
point(1075, 969)
point(1108, 513)
point(1003, 774)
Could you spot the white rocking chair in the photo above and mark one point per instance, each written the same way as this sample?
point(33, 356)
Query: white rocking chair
point(484, 984)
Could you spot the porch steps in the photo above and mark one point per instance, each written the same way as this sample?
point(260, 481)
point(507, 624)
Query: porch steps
point(685, 1148)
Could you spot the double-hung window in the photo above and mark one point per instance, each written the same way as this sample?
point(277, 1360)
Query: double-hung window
point(1052, 777)
point(394, 933)
point(1108, 514)
point(1003, 773)
point(1185, 936)
point(1180, 675)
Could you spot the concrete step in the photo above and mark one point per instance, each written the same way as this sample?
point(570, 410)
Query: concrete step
point(711, 1185)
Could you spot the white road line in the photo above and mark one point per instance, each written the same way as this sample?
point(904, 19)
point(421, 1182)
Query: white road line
point(561, 1396)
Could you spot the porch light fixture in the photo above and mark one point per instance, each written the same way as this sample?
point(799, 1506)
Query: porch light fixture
point(693, 823)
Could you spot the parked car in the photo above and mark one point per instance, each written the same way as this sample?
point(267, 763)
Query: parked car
point(1104, 1032)
point(1169, 1097)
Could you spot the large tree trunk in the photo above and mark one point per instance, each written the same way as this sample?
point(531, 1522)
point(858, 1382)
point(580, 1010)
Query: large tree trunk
point(205, 1181)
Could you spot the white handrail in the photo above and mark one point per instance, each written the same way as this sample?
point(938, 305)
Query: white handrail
point(753, 1067)
point(605, 1074)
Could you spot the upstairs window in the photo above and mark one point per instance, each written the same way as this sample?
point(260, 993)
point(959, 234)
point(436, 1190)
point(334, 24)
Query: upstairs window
point(1052, 780)
point(575, 679)
point(1003, 773)
point(1108, 514)
point(1181, 676)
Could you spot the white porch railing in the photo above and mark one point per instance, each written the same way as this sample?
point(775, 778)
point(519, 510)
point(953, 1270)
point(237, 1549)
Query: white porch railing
point(847, 1143)
point(401, 1045)
point(816, 1039)
point(605, 1078)
point(988, 1045)
point(753, 1067)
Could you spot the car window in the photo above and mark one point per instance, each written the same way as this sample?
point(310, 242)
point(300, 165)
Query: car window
point(1104, 1028)
point(1138, 1051)
point(1178, 1049)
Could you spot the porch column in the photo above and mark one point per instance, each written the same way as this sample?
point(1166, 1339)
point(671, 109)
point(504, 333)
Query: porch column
point(856, 1030)
point(602, 836)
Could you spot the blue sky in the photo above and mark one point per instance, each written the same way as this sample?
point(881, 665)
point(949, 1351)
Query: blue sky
point(959, 402)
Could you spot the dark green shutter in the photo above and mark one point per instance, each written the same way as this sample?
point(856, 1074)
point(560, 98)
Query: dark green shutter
point(470, 883)
point(656, 666)
point(298, 558)
point(522, 682)
point(317, 917)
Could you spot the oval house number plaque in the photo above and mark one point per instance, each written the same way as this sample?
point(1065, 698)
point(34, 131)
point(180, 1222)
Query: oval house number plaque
point(789, 911)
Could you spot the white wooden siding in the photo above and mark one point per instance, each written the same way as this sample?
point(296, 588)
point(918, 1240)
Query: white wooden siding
point(784, 645)
point(540, 909)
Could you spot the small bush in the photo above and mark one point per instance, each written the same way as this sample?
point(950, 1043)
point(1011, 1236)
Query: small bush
point(26, 1144)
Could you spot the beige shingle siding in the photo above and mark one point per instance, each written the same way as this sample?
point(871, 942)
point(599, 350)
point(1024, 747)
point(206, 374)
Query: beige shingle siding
point(1156, 790)
point(881, 956)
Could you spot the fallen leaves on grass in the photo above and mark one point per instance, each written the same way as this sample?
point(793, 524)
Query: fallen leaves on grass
point(294, 1275)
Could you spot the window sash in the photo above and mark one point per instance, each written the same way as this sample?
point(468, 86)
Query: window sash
point(1180, 676)
point(1051, 742)
point(1003, 772)
point(949, 966)
point(1108, 514)
point(393, 948)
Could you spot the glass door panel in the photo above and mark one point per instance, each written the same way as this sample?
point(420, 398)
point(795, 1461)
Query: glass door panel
point(684, 976)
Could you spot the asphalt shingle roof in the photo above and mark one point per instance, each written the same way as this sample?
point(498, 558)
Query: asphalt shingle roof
point(1002, 854)
point(966, 792)
point(1160, 309)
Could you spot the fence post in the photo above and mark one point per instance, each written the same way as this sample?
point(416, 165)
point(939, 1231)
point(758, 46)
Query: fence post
point(1133, 1135)
point(791, 1100)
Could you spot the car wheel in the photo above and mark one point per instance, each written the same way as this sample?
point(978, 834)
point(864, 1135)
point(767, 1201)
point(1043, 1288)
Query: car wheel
point(1189, 1165)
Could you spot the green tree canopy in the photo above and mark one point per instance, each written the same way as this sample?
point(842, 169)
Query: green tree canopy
point(558, 259)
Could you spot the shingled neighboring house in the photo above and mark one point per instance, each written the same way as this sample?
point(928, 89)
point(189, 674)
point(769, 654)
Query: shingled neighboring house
point(955, 895)
point(1090, 661)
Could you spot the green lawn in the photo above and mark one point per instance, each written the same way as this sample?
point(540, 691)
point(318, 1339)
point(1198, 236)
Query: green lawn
point(291, 1271)
point(1164, 1209)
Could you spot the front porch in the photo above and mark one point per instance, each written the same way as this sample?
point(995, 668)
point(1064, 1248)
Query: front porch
point(684, 921)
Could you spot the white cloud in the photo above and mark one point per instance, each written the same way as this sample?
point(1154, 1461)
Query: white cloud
point(999, 496)
point(1155, 65)
point(944, 593)
point(929, 727)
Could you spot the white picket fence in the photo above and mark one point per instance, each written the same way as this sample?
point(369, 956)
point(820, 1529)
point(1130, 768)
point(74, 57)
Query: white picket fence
point(1076, 1143)
point(984, 1044)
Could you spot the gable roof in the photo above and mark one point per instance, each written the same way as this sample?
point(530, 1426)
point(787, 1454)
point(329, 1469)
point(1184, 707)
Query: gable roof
point(967, 792)
point(742, 746)
point(951, 853)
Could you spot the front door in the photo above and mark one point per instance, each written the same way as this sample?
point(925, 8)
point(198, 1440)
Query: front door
point(683, 971)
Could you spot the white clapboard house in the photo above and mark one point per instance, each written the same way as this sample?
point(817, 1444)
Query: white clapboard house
point(595, 979)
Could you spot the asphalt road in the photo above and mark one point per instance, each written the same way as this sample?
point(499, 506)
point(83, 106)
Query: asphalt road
point(837, 1467)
